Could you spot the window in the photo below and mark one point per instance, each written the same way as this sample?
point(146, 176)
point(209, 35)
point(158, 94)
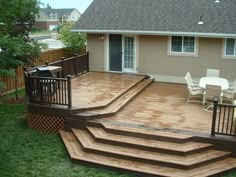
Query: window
point(183, 44)
point(230, 47)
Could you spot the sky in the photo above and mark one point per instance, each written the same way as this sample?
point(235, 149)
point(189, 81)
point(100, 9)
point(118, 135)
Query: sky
point(80, 5)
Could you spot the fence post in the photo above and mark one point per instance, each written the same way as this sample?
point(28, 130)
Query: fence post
point(62, 66)
point(215, 105)
point(69, 91)
point(16, 84)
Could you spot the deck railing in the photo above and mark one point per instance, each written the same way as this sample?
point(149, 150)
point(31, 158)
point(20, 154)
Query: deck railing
point(51, 90)
point(75, 65)
point(45, 90)
point(224, 119)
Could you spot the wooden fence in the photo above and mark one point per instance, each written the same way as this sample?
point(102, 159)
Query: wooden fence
point(50, 56)
point(223, 119)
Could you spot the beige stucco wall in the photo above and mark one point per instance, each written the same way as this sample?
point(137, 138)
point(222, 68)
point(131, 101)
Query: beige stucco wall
point(154, 58)
point(96, 52)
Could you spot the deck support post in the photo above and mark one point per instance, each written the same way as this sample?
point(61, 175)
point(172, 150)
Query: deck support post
point(215, 105)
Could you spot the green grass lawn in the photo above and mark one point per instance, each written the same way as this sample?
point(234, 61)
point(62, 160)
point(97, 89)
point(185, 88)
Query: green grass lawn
point(43, 32)
point(28, 153)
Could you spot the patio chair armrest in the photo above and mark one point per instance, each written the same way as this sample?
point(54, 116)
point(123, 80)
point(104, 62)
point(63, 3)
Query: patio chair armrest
point(195, 82)
point(196, 88)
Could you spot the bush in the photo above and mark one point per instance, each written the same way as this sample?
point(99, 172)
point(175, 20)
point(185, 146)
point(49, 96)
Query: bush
point(35, 29)
point(73, 41)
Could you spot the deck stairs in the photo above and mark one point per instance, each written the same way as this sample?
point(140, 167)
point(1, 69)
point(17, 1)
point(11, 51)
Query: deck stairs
point(145, 152)
point(116, 104)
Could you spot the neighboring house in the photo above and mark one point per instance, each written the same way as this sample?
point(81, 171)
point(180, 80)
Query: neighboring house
point(161, 38)
point(48, 18)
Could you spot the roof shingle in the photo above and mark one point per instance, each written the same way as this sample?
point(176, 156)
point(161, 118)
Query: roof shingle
point(160, 15)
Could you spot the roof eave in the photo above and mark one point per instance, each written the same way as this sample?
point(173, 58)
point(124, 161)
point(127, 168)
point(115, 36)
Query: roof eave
point(161, 33)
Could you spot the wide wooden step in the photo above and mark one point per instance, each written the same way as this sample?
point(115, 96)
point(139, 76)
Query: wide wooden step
point(119, 103)
point(76, 153)
point(147, 144)
point(183, 162)
point(142, 132)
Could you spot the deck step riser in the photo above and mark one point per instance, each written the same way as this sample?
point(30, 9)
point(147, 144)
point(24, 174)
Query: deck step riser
point(151, 137)
point(90, 148)
point(118, 156)
point(120, 143)
point(152, 149)
point(219, 165)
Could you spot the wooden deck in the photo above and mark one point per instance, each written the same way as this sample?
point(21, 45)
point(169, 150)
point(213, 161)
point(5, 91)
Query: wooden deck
point(131, 123)
point(95, 89)
point(163, 105)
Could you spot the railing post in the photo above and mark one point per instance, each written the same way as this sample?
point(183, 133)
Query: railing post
point(87, 61)
point(215, 105)
point(76, 64)
point(69, 91)
point(62, 66)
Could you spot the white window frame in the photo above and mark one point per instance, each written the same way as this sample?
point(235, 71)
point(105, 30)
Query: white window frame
point(182, 53)
point(225, 56)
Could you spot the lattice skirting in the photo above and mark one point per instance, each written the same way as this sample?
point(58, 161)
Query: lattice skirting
point(45, 123)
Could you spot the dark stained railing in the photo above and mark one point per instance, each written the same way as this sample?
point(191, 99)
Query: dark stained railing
point(75, 65)
point(55, 90)
point(45, 90)
point(223, 119)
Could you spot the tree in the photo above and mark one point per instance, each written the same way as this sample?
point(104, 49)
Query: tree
point(73, 41)
point(16, 47)
point(48, 6)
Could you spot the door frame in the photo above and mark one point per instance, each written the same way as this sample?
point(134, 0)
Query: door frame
point(107, 53)
point(123, 56)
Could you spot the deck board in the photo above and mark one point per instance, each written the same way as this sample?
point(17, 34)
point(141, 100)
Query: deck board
point(164, 106)
point(95, 89)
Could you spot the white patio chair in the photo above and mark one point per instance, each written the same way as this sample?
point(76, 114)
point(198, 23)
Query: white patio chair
point(213, 73)
point(194, 83)
point(194, 91)
point(229, 94)
point(209, 94)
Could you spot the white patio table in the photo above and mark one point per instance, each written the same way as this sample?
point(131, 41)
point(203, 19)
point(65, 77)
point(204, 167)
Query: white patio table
point(214, 81)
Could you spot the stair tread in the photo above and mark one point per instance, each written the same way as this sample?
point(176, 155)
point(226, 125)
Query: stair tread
point(76, 152)
point(121, 101)
point(100, 133)
point(126, 97)
point(88, 142)
point(146, 132)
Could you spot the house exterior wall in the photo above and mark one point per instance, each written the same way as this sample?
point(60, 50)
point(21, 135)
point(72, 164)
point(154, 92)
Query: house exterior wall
point(41, 16)
point(155, 60)
point(45, 24)
point(96, 50)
